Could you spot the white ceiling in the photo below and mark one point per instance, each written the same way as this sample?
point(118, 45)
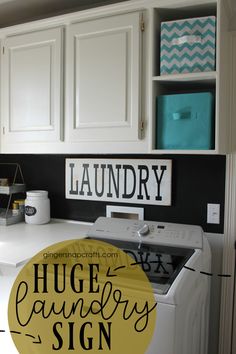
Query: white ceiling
point(18, 11)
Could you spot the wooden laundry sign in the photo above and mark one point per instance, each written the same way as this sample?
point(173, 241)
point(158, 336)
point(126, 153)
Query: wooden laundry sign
point(117, 180)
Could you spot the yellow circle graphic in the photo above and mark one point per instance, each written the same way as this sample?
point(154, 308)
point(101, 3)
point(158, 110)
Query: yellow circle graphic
point(82, 296)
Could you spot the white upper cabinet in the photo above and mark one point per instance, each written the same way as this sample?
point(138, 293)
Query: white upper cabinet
point(97, 90)
point(31, 86)
point(103, 79)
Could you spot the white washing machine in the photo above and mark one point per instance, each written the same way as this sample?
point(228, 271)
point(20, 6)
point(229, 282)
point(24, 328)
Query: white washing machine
point(177, 261)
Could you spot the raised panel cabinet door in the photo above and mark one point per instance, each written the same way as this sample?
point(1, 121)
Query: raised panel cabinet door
point(103, 79)
point(32, 86)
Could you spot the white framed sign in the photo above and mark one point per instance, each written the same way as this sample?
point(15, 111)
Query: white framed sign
point(118, 180)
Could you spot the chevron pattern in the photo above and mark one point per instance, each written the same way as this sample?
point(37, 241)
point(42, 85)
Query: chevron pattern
point(188, 45)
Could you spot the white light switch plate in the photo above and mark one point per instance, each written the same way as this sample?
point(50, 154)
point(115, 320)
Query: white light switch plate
point(213, 213)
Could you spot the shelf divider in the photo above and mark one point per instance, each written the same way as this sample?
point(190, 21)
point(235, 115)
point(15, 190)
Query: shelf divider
point(209, 76)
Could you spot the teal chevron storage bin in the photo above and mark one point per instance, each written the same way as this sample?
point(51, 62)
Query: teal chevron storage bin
point(188, 45)
point(185, 121)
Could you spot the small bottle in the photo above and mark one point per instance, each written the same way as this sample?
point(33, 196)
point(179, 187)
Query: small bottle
point(37, 207)
point(21, 204)
point(15, 209)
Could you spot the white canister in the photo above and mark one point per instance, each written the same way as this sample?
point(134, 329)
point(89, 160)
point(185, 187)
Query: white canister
point(37, 207)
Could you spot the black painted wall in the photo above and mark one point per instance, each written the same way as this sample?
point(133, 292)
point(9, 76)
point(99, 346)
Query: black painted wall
point(196, 181)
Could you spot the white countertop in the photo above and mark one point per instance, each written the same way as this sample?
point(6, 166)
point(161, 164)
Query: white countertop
point(20, 242)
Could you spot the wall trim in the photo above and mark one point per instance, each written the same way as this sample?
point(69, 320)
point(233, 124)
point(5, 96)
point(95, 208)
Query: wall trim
point(228, 267)
point(227, 291)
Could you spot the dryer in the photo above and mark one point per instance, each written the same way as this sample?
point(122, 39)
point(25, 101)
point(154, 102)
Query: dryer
point(177, 261)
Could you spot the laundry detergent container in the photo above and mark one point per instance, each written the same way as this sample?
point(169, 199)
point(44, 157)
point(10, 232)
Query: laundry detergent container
point(185, 121)
point(188, 45)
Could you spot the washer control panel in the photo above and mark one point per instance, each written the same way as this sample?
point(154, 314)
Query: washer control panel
point(189, 236)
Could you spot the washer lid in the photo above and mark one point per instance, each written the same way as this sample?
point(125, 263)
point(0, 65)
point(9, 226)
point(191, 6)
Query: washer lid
point(161, 264)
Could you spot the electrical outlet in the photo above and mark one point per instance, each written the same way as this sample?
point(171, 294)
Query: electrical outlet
point(213, 213)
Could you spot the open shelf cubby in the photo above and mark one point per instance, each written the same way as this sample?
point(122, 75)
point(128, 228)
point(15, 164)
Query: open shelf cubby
point(215, 81)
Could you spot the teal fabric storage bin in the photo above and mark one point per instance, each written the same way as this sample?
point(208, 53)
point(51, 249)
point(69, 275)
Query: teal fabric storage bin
point(185, 121)
point(188, 45)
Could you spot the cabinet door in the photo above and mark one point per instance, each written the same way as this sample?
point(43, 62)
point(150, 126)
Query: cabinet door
point(32, 72)
point(103, 79)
